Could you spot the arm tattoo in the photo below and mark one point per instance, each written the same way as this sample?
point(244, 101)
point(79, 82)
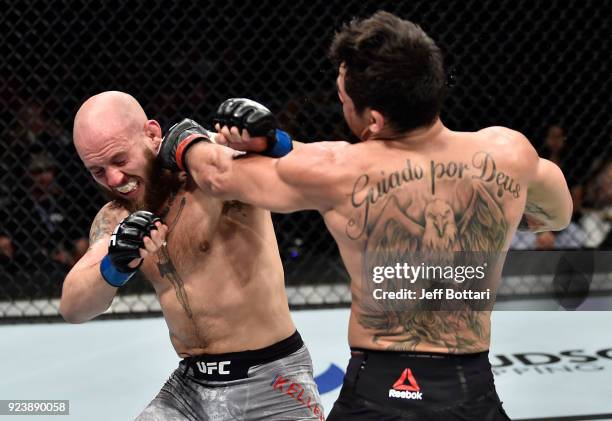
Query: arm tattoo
point(536, 210)
point(534, 218)
point(102, 225)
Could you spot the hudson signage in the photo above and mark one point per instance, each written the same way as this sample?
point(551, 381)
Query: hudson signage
point(573, 360)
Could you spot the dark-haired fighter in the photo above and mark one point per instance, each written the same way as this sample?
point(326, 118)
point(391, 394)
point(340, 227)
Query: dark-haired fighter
point(214, 265)
point(411, 186)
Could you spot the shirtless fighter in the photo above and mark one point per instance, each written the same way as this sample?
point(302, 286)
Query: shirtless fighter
point(214, 265)
point(410, 185)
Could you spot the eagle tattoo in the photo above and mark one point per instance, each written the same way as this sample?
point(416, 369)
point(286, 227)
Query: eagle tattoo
point(445, 236)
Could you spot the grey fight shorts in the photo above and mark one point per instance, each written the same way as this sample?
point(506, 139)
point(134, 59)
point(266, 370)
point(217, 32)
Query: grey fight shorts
point(275, 383)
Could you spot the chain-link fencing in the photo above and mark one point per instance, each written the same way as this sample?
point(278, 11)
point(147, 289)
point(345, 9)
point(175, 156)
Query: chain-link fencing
point(540, 67)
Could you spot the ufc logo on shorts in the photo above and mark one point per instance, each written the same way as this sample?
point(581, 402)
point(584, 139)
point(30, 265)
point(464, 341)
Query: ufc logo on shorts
point(211, 368)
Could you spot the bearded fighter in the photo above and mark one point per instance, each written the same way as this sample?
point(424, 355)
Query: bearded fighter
point(214, 265)
point(410, 188)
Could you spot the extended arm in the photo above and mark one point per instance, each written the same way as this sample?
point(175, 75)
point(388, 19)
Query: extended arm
point(300, 180)
point(281, 181)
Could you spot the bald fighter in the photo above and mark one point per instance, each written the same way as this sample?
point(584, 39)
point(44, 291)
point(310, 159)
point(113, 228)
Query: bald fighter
point(214, 265)
point(410, 187)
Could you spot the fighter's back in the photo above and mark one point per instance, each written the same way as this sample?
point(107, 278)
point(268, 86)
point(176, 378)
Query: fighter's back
point(435, 191)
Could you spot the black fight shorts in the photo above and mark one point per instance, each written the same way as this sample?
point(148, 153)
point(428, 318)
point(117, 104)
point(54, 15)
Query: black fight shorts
point(407, 386)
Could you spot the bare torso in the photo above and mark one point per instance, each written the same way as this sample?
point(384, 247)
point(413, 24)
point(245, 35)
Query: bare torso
point(219, 278)
point(392, 207)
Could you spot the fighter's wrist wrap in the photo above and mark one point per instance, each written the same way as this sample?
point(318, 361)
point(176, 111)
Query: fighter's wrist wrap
point(184, 146)
point(280, 146)
point(112, 275)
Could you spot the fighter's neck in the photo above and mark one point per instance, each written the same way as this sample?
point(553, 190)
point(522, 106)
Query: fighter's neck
point(175, 190)
point(165, 207)
point(413, 137)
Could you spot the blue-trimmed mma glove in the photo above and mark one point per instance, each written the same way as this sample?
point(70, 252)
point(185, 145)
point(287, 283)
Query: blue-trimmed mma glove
point(258, 120)
point(178, 140)
point(125, 242)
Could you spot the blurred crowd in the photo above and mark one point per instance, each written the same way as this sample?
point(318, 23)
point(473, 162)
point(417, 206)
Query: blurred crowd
point(44, 197)
point(47, 199)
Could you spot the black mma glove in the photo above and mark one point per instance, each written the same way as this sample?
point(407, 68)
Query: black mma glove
point(258, 120)
point(178, 140)
point(125, 242)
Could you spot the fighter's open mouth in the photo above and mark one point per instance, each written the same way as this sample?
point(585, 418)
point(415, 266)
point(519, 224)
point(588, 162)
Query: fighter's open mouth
point(127, 188)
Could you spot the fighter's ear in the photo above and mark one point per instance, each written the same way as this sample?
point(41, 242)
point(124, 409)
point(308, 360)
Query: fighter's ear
point(153, 131)
point(376, 121)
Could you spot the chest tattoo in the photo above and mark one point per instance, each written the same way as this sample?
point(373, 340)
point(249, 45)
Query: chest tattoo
point(168, 271)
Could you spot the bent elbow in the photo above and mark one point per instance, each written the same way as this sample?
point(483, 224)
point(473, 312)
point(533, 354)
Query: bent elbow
point(569, 211)
point(564, 218)
point(73, 320)
point(70, 316)
point(67, 308)
point(70, 313)
point(564, 203)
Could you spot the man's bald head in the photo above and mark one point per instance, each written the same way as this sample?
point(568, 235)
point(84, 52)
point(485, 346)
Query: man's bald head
point(108, 115)
point(118, 145)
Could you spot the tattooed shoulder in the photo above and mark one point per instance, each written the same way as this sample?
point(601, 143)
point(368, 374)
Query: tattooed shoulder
point(104, 222)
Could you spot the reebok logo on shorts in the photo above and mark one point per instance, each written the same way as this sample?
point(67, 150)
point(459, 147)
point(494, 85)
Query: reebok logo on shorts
point(406, 387)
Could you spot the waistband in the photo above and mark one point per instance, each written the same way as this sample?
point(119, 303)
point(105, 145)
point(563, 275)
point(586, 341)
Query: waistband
point(412, 379)
point(439, 357)
point(235, 365)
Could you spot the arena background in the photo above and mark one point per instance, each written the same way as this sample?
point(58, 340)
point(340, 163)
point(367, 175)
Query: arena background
point(528, 65)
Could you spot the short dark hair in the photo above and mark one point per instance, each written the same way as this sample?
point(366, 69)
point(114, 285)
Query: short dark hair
point(392, 66)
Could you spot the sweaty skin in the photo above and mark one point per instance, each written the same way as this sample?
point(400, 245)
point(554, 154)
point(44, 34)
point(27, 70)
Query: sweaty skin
point(430, 190)
point(214, 265)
